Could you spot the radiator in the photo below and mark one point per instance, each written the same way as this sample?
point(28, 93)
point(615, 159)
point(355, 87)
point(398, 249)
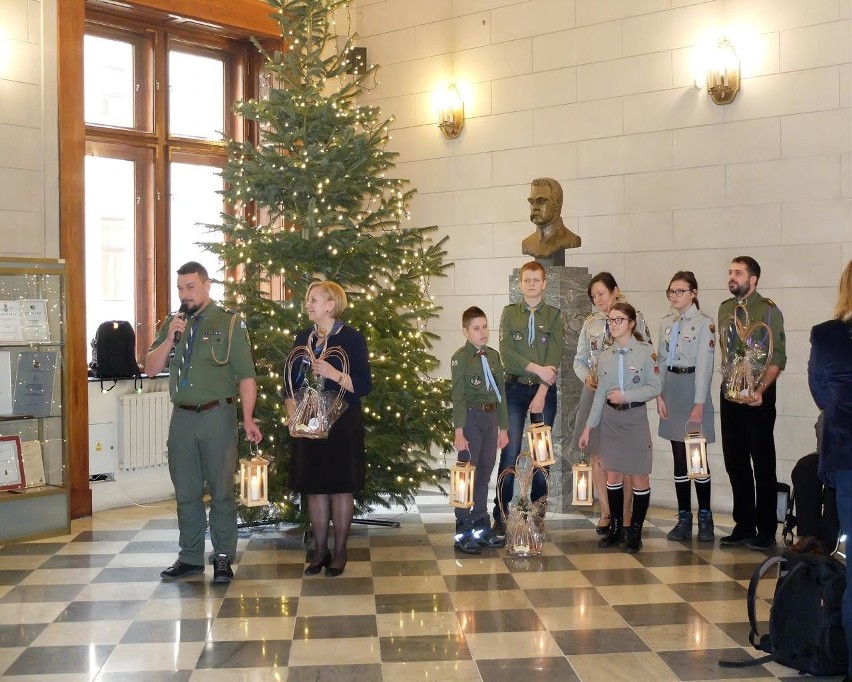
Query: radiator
point(143, 428)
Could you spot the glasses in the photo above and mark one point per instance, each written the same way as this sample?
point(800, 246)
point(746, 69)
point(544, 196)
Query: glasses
point(671, 293)
point(616, 320)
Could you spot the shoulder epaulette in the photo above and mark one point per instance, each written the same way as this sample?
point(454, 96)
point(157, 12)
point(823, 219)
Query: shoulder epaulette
point(770, 302)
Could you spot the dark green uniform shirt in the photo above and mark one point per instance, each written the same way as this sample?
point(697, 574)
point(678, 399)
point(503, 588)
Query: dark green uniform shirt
point(759, 309)
point(221, 357)
point(469, 387)
point(515, 348)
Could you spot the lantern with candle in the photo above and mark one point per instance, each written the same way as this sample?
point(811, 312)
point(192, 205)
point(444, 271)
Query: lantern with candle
point(581, 474)
point(461, 484)
point(254, 476)
point(696, 453)
point(540, 441)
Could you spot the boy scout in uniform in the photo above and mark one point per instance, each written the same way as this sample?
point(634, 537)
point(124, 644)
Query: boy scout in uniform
point(480, 419)
point(531, 348)
point(748, 429)
point(210, 357)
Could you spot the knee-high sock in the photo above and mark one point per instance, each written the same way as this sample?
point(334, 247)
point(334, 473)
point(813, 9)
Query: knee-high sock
point(615, 495)
point(702, 491)
point(641, 500)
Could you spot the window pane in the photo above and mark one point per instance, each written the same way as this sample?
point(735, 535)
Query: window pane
point(110, 242)
point(109, 82)
point(196, 96)
point(195, 202)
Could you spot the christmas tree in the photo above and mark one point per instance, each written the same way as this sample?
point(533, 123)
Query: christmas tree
point(313, 200)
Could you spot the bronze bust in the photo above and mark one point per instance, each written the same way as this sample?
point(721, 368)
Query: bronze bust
point(548, 243)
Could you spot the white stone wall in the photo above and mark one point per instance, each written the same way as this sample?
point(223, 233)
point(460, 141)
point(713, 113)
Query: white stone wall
point(29, 190)
point(599, 94)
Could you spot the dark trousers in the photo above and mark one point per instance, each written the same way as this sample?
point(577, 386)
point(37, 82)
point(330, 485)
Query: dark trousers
point(748, 439)
point(816, 508)
point(481, 433)
point(518, 399)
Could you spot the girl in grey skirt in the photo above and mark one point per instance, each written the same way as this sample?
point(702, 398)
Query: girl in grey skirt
point(687, 341)
point(594, 337)
point(628, 376)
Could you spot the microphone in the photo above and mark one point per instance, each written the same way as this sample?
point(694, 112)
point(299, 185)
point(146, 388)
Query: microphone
point(183, 310)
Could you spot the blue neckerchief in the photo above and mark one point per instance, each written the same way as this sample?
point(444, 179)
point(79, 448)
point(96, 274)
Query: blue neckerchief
point(621, 353)
point(531, 326)
point(490, 382)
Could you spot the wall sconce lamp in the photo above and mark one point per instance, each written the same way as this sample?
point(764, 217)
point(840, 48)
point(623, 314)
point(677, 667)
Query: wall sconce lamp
point(723, 73)
point(450, 112)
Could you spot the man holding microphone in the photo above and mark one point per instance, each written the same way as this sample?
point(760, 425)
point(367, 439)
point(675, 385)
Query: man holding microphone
point(208, 353)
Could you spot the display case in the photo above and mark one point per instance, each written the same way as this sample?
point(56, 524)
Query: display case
point(34, 485)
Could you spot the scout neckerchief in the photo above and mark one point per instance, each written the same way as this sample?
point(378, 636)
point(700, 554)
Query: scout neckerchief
point(187, 352)
point(531, 325)
point(621, 353)
point(490, 382)
point(673, 341)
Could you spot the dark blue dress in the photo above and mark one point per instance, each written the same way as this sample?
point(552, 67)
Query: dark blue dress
point(336, 464)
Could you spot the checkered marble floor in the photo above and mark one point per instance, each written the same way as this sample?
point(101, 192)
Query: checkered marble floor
point(91, 606)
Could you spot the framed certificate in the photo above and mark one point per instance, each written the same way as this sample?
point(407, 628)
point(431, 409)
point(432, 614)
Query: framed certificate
point(11, 464)
point(33, 463)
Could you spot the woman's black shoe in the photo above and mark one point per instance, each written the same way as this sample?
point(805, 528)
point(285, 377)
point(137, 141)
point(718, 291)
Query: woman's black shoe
point(313, 569)
point(603, 530)
point(333, 572)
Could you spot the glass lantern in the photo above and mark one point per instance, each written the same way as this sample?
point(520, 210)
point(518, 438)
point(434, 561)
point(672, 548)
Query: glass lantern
point(541, 444)
point(254, 476)
point(696, 453)
point(581, 474)
point(461, 485)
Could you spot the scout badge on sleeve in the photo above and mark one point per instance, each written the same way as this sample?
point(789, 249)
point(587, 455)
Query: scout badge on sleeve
point(746, 351)
point(316, 409)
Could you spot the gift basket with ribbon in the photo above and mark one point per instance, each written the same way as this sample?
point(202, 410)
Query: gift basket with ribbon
point(746, 351)
point(316, 409)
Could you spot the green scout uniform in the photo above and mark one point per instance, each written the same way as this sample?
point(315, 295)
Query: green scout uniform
point(477, 410)
point(202, 442)
point(759, 309)
point(515, 348)
point(748, 431)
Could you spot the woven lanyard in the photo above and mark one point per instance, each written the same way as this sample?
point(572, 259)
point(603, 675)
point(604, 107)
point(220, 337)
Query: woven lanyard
point(187, 353)
point(490, 383)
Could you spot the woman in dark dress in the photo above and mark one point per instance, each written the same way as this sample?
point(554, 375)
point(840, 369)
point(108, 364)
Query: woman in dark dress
point(329, 471)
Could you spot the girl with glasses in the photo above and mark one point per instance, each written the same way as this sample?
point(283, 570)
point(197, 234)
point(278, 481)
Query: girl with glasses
point(594, 337)
point(628, 376)
point(686, 354)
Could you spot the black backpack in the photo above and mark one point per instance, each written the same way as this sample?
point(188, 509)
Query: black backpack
point(114, 351)
point(805, 622)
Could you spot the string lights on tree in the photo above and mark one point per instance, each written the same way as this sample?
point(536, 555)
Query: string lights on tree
point(314, 198)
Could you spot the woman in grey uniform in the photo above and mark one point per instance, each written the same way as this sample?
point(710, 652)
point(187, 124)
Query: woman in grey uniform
point(594, 336)
point(687, 342)
point(628, 376)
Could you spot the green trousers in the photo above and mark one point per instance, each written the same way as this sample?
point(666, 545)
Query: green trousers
point(203, 449)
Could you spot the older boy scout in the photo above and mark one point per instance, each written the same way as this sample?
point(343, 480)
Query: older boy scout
point(211, 357)
point(531, 348)
point(480, 419)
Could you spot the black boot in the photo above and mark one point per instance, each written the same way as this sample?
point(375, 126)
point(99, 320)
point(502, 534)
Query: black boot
point(633, 538)
point(614, 535)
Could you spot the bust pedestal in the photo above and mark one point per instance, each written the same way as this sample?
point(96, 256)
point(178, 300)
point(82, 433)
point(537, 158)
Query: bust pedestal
point(566, 290)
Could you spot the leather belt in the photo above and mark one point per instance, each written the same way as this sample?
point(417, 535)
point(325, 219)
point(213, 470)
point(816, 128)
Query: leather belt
point(624, 406)
point(206, 406)
point(681, 370)
point(528, 381)
point(486, 407)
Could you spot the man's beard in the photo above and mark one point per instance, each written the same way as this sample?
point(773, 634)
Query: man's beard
point(738, 290)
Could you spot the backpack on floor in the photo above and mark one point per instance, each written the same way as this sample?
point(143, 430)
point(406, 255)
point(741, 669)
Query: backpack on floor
point(114, 351)
point(805, 622)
